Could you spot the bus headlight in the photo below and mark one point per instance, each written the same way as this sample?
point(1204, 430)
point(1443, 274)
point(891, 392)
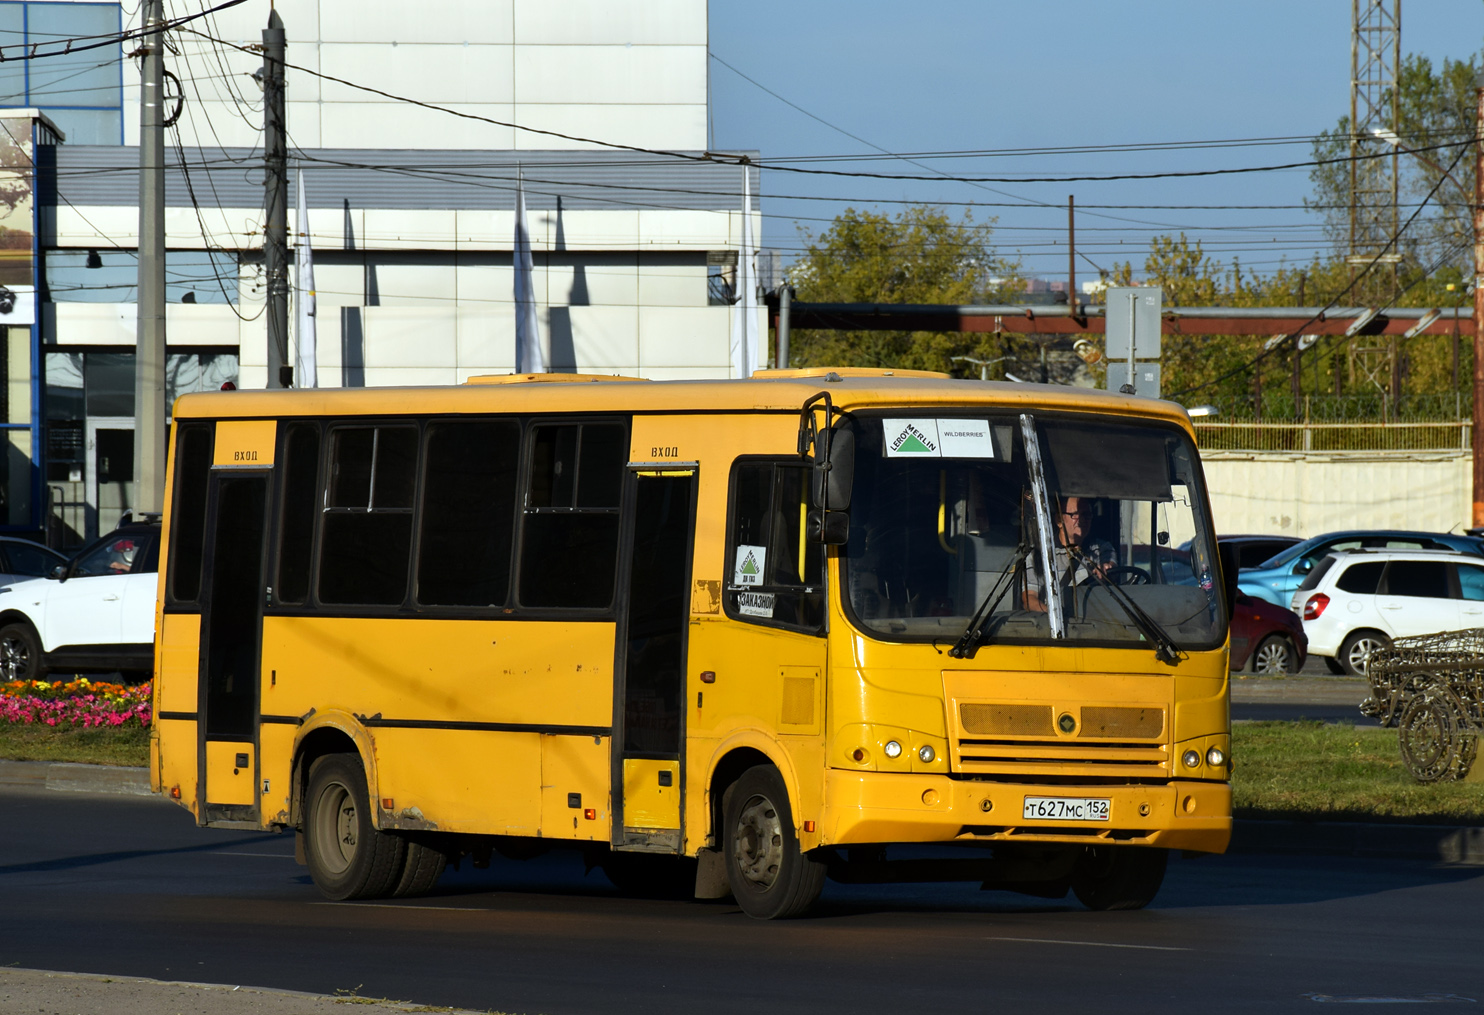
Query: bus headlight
point(927, 754)
point(1192, 758)
point(1215, 757)
point(892, 749)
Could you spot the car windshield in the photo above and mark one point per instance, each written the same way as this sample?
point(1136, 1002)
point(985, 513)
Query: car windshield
point(946, 517)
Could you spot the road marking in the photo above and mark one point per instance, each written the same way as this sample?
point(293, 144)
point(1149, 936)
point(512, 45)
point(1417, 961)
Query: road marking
point(276, 856)
point(1089, 944)
point(393, 905)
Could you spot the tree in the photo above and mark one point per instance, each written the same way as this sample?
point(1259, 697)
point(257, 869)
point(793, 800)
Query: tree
point(1435, 108)
point(920, 256)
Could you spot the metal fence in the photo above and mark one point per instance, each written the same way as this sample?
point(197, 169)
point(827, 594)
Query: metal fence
point(1375, 422)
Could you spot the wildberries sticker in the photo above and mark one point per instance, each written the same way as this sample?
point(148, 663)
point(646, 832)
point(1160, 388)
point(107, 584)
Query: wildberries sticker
point(748, 569)
point(938, 438)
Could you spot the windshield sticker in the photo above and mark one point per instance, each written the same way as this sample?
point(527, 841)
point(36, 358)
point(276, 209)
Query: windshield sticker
point(755, 604)
point(911, 438)
point(749, 567)
point(965, 438)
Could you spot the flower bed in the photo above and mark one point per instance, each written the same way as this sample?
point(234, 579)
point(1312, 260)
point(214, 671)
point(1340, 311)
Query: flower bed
point(82, 703)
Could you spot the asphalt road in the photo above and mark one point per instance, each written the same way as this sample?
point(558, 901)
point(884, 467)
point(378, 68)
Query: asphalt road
point(128, 886)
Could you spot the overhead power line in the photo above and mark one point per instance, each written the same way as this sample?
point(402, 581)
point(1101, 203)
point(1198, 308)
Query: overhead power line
point(83, 43)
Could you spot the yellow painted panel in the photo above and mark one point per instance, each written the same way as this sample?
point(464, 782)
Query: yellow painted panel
point(229, 778)
point(177, 760)
point(245, 443)
point(459, 780)
point(647, 802)
point(575, 765)
point(275, 770)
point(179, 662)
point(544, 672)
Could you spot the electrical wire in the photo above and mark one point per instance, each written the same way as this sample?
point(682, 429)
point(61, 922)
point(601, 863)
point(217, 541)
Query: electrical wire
point(1292, 337)
point(112, 39)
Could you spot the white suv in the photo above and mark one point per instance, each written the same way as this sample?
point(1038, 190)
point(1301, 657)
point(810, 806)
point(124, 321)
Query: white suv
point(1357, 601)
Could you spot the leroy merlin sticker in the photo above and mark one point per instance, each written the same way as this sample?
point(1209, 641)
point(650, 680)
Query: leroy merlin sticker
point(749, 567)
point(965, 438)
point(911, 438)
point(755, 604)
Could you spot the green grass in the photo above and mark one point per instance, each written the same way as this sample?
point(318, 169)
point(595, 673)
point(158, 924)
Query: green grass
point(1314, 771)
point(124, 745)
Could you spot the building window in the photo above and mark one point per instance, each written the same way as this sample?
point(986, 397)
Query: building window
point(81, 92)
point(112, 276)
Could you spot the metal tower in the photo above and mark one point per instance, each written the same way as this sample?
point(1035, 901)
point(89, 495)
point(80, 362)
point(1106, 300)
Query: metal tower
point(1375, 55)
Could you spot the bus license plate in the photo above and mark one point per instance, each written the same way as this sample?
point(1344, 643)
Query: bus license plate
point(1066, 808)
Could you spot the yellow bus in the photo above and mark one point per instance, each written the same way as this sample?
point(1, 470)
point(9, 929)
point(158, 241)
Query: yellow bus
point(735, 635)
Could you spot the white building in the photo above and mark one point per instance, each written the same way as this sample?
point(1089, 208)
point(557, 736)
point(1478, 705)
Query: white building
point(411, 208)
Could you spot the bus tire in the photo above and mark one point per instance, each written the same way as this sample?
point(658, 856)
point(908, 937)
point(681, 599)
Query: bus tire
point(1119, 877)
point(421, 869)
point(771, 879)
point(347, 857)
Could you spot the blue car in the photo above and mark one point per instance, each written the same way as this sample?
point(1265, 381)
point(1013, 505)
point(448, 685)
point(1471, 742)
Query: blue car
point(1276, 579)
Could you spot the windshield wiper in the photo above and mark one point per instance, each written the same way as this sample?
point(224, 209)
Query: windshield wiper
point(1165, 648)
point(969, 640)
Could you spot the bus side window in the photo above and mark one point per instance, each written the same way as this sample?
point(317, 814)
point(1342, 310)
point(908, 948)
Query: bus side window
point(366, 540)
point(569, 537)
point(300, 474)
point(774, 572)
point(188, 520)
point(470, 486)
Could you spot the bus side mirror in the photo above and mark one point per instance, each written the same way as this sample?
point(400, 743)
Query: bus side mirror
point(829, 527)
point(834, 469)
point(1226, 553)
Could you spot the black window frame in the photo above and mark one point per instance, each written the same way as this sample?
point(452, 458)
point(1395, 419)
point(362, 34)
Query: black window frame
point(182, 428)
point(730, 551)
point(325, 510)
point(531, 424)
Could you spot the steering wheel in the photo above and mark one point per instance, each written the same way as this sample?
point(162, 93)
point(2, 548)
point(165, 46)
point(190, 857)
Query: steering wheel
point(1128, 576)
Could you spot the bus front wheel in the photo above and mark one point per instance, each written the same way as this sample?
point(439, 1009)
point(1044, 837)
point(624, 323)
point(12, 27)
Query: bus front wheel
point(1119, 877)
point(771, 879)
point(348, 858)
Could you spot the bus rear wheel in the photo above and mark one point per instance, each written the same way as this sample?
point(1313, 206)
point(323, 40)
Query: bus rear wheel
point(771, 879)
point(421, 869)
point(1119, 877)
point(347, 857)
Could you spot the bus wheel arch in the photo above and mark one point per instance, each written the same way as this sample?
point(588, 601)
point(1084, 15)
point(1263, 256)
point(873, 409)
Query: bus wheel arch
point(329, 734)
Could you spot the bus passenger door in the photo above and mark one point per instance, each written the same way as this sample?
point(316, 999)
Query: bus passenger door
point(650, 661)
point(231, 639)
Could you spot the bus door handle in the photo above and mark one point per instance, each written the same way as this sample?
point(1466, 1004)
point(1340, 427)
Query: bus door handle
point(110, 598)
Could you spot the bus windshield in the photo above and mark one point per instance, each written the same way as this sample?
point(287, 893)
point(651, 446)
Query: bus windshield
point(948, 513)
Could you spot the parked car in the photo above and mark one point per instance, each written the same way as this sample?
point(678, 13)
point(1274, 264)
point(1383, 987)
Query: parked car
point(21, 559)
point(1252, 551)
point(1270, 637)
point(1278, 578)
point(1357, 601)
point(96, 614)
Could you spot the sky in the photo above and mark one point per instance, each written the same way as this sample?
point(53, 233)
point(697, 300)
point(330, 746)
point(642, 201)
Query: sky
point(961, 75)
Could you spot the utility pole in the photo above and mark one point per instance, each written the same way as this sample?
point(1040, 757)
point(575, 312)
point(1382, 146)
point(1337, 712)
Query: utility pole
point(149, 352)
point(785, 295)
point(1072, 253)
point(1478, 439)
point(276, 205)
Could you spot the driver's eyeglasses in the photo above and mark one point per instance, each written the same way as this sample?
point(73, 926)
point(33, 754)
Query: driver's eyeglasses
point(1077, 514)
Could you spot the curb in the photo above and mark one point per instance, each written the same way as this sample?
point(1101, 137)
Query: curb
point(1440, 843)
point(68, 777)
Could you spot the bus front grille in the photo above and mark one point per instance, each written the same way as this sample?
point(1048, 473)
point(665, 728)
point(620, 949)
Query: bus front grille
point(1095, 742)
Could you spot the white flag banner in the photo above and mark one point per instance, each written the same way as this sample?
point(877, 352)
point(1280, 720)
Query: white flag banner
point(306, 373)
point(744, 312)
point(528, 357)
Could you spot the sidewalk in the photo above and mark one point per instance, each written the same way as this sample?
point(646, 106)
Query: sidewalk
point(37, 990)
point(1300, 689)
